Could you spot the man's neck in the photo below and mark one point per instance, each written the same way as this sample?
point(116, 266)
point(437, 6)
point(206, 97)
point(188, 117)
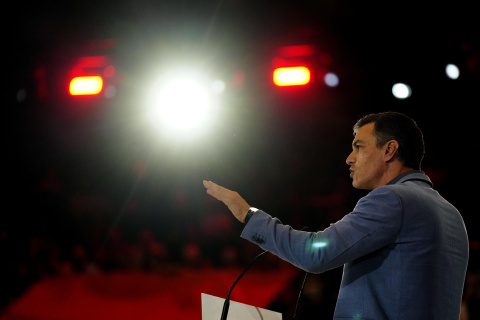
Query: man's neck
point(400, 176)
point(393, 172)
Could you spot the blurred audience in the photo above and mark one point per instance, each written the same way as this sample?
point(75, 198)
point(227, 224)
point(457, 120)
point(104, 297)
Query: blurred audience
point(80, 232)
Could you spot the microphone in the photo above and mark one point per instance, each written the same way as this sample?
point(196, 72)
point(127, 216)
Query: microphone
point(226, 304)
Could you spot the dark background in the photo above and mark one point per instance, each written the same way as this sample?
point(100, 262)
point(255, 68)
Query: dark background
point(76, 182)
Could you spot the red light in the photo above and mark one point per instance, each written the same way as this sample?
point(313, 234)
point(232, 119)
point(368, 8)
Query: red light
point(297, 51)
point(109, 71)
point(82, 86)
point(291, 76)
point(91, 62)
point(86, 75)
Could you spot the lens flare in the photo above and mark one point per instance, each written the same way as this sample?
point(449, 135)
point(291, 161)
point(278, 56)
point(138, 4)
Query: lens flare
point(319, 244)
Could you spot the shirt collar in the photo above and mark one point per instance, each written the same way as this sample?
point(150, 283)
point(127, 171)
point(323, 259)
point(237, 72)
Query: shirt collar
point(400, 176)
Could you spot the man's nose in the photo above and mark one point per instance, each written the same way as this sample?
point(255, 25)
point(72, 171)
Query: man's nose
point(350, 159)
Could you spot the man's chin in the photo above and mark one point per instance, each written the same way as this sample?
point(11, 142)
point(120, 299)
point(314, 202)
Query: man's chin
point(354, 183)
point(360, 186)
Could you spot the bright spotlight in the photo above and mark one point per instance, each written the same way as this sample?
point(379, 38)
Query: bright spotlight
point(218, 86)
point(452, 71)
point(401, 91)
point(181, 104)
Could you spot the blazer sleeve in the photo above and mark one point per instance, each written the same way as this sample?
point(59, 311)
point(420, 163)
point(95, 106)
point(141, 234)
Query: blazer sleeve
point(373, 224)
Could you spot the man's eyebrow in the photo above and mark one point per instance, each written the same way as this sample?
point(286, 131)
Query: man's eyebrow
point(356, 143)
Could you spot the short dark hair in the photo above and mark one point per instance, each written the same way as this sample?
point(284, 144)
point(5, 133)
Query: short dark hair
point(397, 126)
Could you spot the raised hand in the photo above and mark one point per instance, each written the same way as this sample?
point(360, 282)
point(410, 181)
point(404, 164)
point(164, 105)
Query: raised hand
point(237, 205)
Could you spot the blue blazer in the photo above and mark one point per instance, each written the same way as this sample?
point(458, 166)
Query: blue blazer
point(404, 252)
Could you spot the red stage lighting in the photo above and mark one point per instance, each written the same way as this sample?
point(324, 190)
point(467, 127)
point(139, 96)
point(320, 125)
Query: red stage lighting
point(291, 76)
point(88, 85)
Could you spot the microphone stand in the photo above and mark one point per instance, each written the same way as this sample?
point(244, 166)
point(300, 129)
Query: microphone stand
point(299, 296)
point(226, 304)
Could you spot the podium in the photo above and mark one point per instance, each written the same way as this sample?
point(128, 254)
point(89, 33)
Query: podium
point(212, 310)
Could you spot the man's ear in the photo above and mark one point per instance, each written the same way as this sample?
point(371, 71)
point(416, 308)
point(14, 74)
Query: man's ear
point(391, 148)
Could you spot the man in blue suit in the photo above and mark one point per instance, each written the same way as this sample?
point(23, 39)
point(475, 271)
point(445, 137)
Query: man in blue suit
point(404, 248)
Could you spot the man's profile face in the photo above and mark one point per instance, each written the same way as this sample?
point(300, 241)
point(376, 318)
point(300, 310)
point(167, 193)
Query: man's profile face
point(366, 160)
